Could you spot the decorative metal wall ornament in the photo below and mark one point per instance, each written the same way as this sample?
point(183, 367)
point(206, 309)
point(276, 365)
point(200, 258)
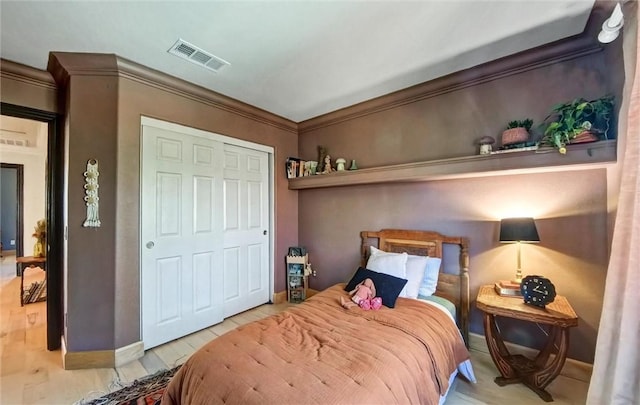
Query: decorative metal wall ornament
point(91, 194)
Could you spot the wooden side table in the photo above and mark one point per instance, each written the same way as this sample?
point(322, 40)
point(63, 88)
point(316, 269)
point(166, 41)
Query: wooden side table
point(28, 261)
point(539, 372)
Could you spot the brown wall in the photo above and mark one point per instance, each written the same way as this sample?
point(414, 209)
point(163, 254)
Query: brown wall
point(92, 125)
point(106, 97)
point(570, 207)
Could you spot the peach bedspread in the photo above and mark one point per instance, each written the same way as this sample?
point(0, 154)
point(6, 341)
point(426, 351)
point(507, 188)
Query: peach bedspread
point(320, 353)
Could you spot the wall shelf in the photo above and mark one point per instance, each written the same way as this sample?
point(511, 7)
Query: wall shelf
point(578, 157)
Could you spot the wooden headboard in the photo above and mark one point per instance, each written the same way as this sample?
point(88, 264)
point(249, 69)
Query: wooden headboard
point(454, 287)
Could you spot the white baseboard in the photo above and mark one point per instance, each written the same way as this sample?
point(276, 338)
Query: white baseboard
point(575, 369)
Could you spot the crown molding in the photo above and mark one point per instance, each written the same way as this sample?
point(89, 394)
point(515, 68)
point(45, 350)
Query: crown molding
point(559, 51)
point(27, 74)
point(64, 64)
point(140, 73)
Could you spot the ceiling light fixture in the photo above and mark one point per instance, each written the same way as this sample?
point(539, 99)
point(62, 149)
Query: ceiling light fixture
point(612, 25)
point(194, 54)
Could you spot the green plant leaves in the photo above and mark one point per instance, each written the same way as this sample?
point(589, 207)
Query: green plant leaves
point(526, 124)
point(569, 119)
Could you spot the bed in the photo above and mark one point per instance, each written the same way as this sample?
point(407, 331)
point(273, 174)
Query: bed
point(321, 352)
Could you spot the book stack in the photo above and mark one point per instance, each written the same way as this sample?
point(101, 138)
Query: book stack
point(508, 288)
point(294, 167)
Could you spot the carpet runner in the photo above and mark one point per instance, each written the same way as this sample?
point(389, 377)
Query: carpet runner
point(144, 391)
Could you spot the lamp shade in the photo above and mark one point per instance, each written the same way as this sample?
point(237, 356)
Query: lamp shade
point(518, 230)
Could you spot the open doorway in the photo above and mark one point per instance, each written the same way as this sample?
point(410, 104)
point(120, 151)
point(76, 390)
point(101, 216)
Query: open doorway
point(33, 139)
point(23, 292)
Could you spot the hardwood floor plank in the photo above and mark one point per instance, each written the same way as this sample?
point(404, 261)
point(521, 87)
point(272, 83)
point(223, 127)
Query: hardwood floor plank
point(132, 371)
point(13, 361)
point(456, 398)
point(11, 388)
point(35, 393)
point(174, 353)
point(152, 362)
point(17, 326)
point(224, 327)
point(37, 368)
point(199, 339)
point(247, 317)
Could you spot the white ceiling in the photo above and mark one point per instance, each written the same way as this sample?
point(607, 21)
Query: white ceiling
point(296, 59)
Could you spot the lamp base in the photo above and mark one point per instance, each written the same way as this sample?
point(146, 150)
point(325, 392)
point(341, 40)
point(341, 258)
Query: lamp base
point(508, 288)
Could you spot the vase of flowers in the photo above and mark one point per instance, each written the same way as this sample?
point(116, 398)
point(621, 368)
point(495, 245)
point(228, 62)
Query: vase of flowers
point(40, 233)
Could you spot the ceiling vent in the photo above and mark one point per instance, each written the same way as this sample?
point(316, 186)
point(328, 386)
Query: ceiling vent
point(14, 138)
point(197, 55)
point(14, 142)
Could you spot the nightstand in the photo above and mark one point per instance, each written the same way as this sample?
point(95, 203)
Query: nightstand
point(539, 372)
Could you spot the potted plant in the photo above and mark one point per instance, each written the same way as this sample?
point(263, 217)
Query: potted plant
point(517, 132)
point(578, 121)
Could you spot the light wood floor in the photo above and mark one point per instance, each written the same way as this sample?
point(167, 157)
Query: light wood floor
point(29, 374)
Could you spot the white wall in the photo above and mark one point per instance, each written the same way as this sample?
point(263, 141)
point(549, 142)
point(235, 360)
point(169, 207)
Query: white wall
point(33, 158)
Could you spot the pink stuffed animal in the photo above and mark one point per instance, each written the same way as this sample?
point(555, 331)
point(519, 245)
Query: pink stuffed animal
point(363, 291)
point(364, 295)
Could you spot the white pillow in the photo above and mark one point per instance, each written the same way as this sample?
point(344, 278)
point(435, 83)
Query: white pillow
point(414, 271)
point(430, 280)
point(393, 264)
point(416, 266)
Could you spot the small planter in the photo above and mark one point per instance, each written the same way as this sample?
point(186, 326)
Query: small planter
point(585, 137)
point(515, 135)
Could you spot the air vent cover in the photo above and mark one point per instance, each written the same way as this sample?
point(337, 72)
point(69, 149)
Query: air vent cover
point(197, 55)
point(14, 142)
point(14, 138)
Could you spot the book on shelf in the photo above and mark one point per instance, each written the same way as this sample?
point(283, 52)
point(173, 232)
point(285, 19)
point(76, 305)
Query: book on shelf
point(295, 167)
point(508, 288)
point(292, 167)
point(296, 269)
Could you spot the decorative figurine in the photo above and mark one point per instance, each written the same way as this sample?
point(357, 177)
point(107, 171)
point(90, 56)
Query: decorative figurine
point(485, 145)
point(340, 162)
point(322, 152)
point(353, 165)
point(327, 165)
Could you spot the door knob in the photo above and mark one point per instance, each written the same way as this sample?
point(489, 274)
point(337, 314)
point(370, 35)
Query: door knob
point(264, 232)
point(150, 244)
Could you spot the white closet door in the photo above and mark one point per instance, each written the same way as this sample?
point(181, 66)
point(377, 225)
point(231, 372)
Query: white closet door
point(181, 234)
point(246, 223)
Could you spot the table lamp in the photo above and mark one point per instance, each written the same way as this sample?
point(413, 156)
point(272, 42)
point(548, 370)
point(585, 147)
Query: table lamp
point(518, 230)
